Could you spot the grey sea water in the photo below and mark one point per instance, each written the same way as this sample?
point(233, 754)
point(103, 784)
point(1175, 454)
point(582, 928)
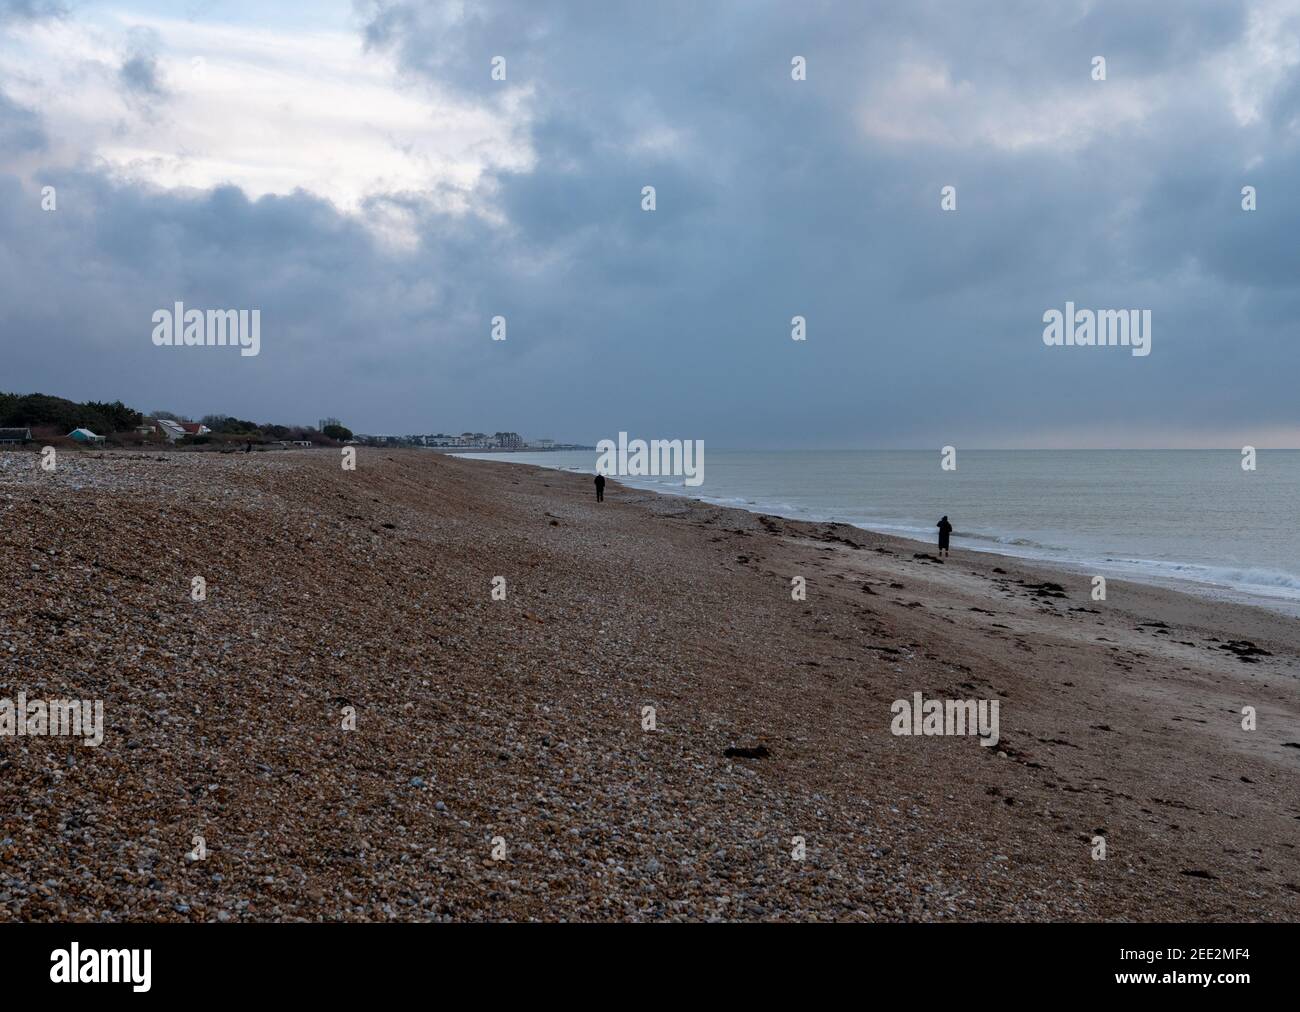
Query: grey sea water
point(1190, 517)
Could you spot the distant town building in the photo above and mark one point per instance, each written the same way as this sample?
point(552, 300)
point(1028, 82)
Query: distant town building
point(15, 436)
point(440, 439)
point(467, 441)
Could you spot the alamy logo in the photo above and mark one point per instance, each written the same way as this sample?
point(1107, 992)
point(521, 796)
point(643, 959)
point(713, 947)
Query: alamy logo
point(946, 717)
point(74, 718)
point(102, 966)
point(683, 457)
point(193, 328)
point(1128, 328)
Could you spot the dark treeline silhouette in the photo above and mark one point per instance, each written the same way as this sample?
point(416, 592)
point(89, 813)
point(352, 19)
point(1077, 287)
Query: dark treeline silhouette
point(35, 410)
point(43, 411)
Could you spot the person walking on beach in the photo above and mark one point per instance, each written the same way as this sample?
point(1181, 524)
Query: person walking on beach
point(945, 529)
point(600, 488)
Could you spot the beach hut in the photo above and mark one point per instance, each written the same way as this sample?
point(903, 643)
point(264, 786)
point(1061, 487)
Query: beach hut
point(85, 436)
point(10, 437)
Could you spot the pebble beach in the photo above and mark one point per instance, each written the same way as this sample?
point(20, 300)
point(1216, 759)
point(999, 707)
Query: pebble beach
point(642, 723)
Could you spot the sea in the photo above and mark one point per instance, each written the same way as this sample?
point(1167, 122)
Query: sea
point(1194, 519)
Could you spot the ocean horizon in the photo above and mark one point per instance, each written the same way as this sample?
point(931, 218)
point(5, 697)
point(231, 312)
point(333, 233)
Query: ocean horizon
point(1187, 518)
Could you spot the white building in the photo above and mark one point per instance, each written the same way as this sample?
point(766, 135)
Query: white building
point(173, 430)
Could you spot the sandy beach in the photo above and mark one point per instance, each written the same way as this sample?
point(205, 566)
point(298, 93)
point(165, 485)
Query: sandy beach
point(499, 768)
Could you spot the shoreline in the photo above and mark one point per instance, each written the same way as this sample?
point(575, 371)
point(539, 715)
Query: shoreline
point(522, 719)
point(1282, 604)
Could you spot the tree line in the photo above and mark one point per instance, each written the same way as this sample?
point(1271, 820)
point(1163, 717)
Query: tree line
point(31, 411)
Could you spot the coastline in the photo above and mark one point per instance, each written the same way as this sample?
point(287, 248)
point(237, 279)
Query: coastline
point(521, 719)
point(1144, 571)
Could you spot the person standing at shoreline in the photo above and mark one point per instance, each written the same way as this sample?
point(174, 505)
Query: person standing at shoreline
point(600, 488)
point(945, 529)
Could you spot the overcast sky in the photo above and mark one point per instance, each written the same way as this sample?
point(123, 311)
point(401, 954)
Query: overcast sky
point(354, 172)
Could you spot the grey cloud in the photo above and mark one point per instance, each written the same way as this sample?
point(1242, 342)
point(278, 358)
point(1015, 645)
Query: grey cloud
point(12, 11)
point(139, 73)
point(20, 129)
point(772, 202)
point(782, 208)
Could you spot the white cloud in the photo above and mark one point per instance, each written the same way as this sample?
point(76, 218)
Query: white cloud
point(918, 101)
point(1262, 60)
point(268, 110)
point(921, 103)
